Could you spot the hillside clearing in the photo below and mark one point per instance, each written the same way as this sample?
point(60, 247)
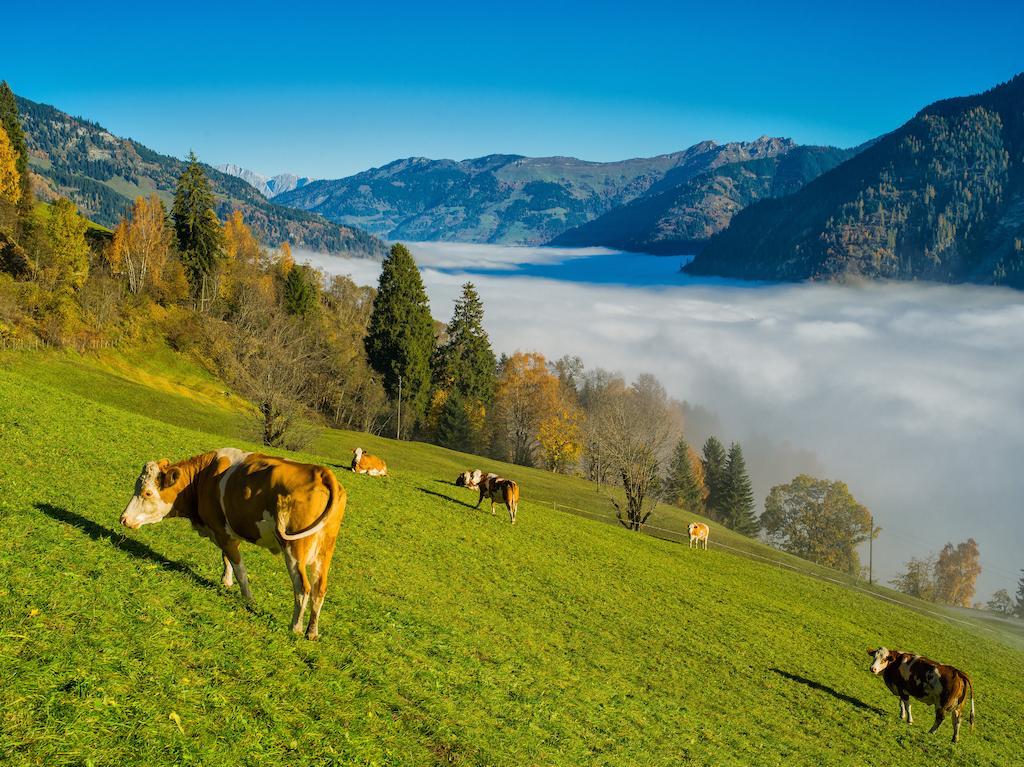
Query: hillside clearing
point(448, 636)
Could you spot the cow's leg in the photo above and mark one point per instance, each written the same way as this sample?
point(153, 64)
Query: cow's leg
point(512, 507)
point(956, 725)
point(493, 512)
point(320, 567)
point(481, 498)
point(939, 716)
point(300, 584)
point(234, 556)
point(228, 579)
point(910, 716)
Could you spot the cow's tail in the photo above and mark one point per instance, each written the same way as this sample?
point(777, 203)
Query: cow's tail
point(970, 686)
point(332, 497)
point(513, 499)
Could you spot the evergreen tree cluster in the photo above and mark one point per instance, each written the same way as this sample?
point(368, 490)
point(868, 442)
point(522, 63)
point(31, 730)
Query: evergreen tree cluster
point(730, 495)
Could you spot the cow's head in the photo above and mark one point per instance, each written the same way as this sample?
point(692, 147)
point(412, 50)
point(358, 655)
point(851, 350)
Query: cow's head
point(356, 455)
point(468, 478)
point(155, 491)
point(883, 657)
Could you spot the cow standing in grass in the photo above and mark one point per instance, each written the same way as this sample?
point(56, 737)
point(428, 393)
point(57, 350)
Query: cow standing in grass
point(364, 463)
point(698, 534)
point(944, 687)
point(494, 487)
point(231, 496)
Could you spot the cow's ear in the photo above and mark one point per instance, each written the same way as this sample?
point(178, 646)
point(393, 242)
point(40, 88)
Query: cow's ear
point(162, 464)
point(872, 653)
point(170, 478)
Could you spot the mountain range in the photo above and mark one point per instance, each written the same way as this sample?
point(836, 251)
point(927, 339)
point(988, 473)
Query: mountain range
point(677, 216)
point(103, 173)
point(268, 186)
point(508, 199)
point(940, 198)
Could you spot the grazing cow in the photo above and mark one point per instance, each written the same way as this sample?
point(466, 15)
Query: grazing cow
point(364, 463)
point(944, 687)
point(230, 496)
point(494, 487)
point(698, 534)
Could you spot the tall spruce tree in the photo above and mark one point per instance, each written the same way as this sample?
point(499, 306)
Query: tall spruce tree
point(1018, 609)
point(300, 291)
point(738, 494)
point(466, 362)
point(714, 460)
point(200, 237)
point(681, 485)
point(400, 337)
point(454, 429)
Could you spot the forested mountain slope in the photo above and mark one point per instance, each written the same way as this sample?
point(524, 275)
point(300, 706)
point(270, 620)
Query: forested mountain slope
point(940, 198)
point(679, 219)
point(102, 174)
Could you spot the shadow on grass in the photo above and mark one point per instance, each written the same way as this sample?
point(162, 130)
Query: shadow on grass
point(857, 702)
point(127, 545)
point(446, 497)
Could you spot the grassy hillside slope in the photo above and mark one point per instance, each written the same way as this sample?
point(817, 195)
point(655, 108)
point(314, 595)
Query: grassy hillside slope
point(449, 637)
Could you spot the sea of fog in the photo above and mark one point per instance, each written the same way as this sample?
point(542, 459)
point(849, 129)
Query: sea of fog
point(913, 394)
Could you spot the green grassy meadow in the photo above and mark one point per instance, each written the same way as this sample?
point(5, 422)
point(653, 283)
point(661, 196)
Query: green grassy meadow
point(448, 636)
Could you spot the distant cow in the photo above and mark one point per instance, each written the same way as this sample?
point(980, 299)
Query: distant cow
point(364, 463)
point(944, 687)
point(494, 487)
point(698, 534)
point(230, 496)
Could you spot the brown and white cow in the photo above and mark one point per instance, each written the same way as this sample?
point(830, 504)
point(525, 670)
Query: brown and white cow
point(698, 534)
point(364, 463)
point(944, 687)
point(494, 487)
point(232, 496)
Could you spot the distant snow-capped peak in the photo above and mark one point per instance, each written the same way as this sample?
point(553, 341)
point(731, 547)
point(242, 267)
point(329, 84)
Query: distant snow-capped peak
point(268, 186)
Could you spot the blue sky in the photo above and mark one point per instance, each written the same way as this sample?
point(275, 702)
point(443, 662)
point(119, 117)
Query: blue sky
point(331, 89)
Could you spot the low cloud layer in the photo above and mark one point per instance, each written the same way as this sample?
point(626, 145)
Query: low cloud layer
point(913, 395)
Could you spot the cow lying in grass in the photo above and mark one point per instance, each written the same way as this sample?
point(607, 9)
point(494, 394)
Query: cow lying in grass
point(364, 463)
point(494, 487)
point(944, 687)
point(230, 496)
point(698, 534)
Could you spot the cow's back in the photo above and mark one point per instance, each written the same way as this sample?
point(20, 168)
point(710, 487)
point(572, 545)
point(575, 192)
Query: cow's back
point(255, 491)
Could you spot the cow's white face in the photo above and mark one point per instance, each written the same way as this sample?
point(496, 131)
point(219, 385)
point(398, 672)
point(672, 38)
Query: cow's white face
point(357, 454)
point(469, 479)
point(154, 495)
point(881, 660)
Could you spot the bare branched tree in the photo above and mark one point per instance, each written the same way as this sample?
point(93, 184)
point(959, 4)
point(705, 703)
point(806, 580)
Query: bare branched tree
point(634, 428)
point(272, 359)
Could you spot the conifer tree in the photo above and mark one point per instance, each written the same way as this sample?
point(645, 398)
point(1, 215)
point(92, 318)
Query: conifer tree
point(400, 337)
point(200, 237)
point(300, 293)
point(714, 476)
point(1018, 609)
point(738, 494)
point(681, 485)
point(454, 429)
point(466, 362)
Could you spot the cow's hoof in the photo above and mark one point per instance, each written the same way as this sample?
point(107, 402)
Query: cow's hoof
point(312, 637)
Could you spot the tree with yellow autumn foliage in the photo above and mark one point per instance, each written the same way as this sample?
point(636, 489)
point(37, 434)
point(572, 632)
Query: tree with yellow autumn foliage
point(10, 179)
point(141, 245)
point(526, 396)
point(68, 266)
point(560, 437)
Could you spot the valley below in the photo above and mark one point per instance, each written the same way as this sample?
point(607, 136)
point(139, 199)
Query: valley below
point(907, 391)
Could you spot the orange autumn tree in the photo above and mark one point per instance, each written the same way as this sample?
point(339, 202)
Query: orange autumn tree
point(243, 254)
point(10, 179)
point(141, 244)
point(526, 397)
